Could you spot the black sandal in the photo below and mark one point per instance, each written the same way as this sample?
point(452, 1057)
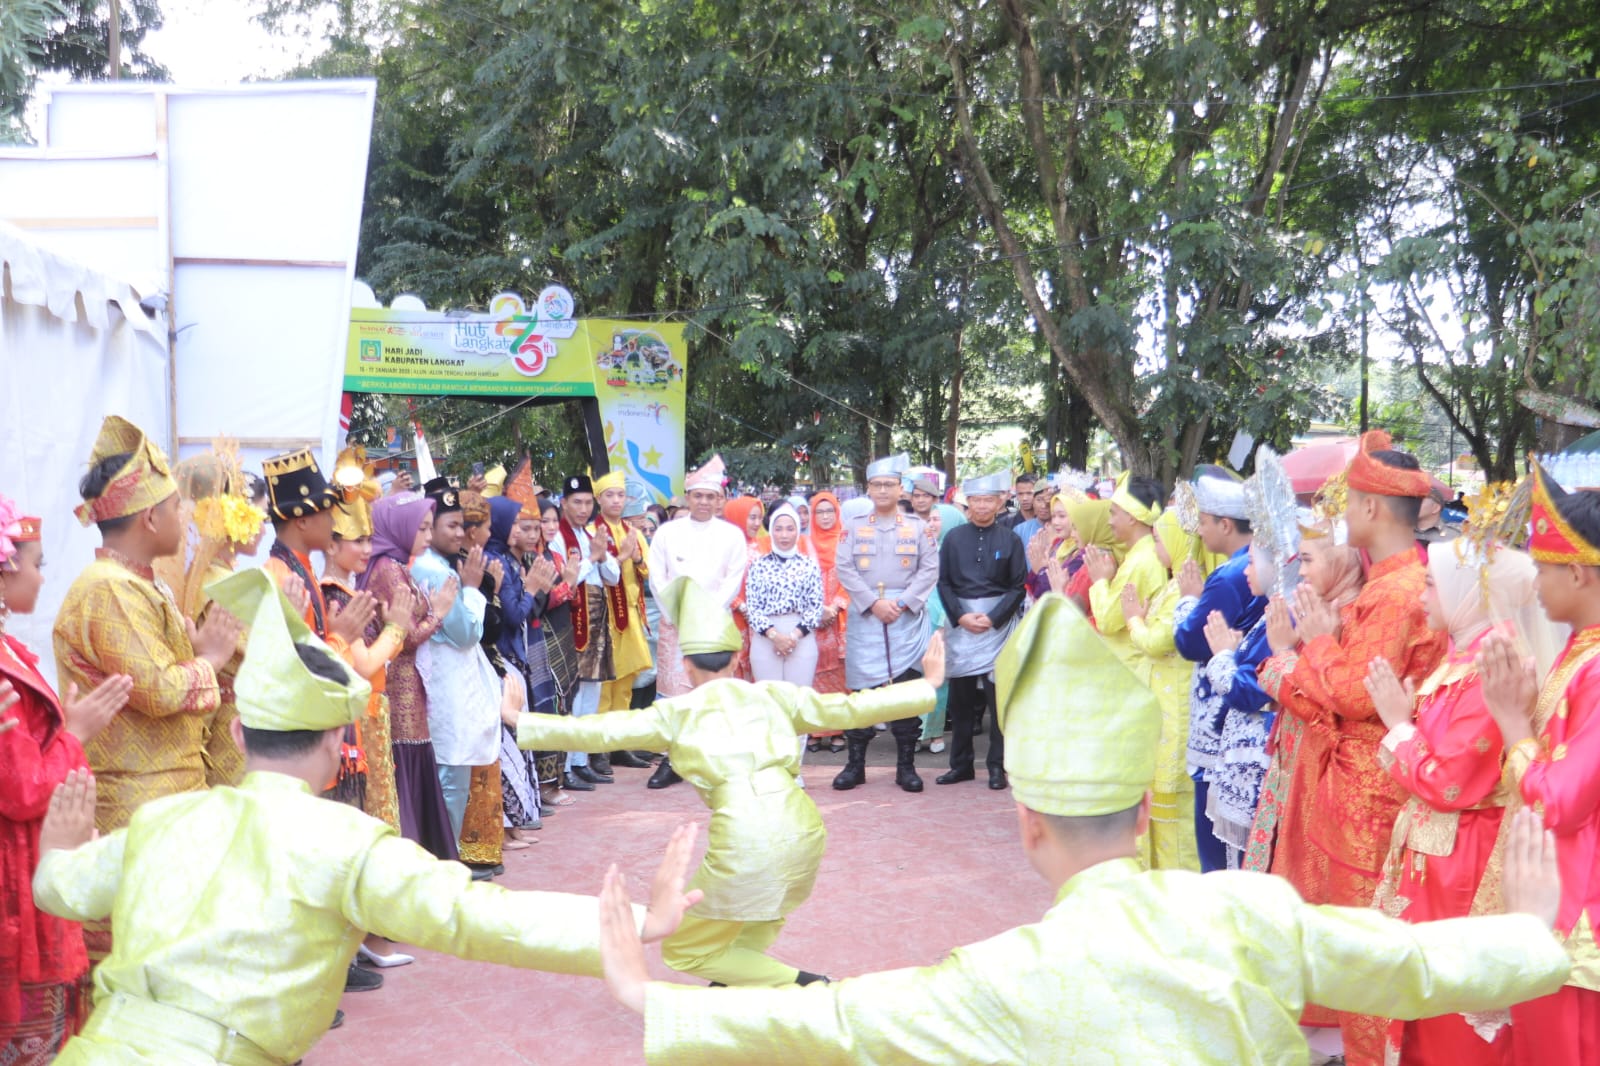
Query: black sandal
point(836, 745)
point(814, 744)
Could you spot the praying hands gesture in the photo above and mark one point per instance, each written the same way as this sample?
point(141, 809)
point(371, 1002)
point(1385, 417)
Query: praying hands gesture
point(69, 821)
point(1101, 563)
point(1510, 687)
point(397, 612)
point(1393, 699)
point(216, 638)
point(1531, 882)
point(1317, 617)
point(540, 577)
point(87, 716)
point(1191, 582)
point(444, 597)
point(570, 568)
point(1220, 636)
point(1038, 544)
point(472, 568)
point(296, 592)
point(497, 574)
point(1056, 571)
point(1281, 636)
point(598, 548)
point(1132, 606)
point(349, 623)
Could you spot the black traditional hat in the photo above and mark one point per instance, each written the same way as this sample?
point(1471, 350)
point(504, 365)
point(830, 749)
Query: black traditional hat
point(444, 494)
point(577, 483)
point(296, 487)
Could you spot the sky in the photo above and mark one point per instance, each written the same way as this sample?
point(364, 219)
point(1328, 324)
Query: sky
point(217, 42)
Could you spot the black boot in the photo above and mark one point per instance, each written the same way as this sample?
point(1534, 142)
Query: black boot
point(855, 763)
point(628, 759)
point(665, 775)
point(905, 768)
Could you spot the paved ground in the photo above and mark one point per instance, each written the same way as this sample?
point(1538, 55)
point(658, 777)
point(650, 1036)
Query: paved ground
point(905, 879)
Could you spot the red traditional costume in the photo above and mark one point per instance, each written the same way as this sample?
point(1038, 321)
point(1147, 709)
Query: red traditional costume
point(1559, 774)
point(1342, 798)
point(44, 970)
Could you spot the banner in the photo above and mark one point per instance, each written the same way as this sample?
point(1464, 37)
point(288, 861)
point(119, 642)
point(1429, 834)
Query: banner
point(634, 370)
point(639, 382)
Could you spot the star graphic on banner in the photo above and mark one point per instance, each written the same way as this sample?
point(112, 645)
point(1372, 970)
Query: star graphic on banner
point(652, 459)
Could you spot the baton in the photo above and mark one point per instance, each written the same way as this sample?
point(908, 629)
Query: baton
point(888, 658)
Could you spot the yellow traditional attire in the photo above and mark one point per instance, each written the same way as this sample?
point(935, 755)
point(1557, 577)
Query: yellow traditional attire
point(237, 953)
point(1139, 568)
point(1127, 967)
point(1170, 844)
point(734, 741)
point(630, 636)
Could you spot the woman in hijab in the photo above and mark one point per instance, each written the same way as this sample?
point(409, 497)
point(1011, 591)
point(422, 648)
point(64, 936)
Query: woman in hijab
point(1055, 541)
point(1448, 761)
point(746, 513)
point(1091, 527)
point(1277, 837)
point(827, 526)
point(518, 606)
point(1170, 843)
point(783, 604)
point(401, 526)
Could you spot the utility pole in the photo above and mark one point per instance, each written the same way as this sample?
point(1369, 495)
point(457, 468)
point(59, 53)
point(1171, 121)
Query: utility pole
point(115, 35)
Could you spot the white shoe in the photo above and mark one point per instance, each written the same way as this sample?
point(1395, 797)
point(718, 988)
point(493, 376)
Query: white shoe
point(937, 746)
point(799, 780)
point(383, 962)
point(881, 726)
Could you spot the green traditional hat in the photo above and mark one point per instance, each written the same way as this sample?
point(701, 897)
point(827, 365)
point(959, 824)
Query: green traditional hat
point(1081, 730)
point(704, 624)
point(274, 689)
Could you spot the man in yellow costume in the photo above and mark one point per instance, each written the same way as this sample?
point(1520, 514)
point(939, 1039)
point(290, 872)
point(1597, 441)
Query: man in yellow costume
point(735, 742)
point(1127, 967)
point(236, 953)
point(118, 618)
point(630, 633)
point(1135, 506)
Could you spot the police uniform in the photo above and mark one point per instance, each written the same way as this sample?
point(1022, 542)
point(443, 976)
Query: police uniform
point(895, 557)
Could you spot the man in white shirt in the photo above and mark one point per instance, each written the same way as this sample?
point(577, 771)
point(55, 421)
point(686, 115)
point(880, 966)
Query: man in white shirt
point(711, 552)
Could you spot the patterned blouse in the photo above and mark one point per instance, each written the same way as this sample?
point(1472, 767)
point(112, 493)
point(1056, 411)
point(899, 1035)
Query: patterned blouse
point(777, 586)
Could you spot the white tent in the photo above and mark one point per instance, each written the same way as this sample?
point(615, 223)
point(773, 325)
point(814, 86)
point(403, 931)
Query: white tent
point(233, 211)
point(74, 347)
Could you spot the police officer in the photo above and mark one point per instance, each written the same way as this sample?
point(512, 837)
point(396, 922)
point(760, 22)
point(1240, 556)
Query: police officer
point(889, 565)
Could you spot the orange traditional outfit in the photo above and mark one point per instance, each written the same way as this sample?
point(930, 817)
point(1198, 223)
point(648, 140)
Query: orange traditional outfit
point(1559, 774)
point(830, 638)
point(1341, 796)
point(737, 513)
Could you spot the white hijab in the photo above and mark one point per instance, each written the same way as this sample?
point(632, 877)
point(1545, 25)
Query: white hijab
point(784, 509)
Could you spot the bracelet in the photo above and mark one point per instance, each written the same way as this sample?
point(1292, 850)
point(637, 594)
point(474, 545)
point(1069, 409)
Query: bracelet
point(1535, 743)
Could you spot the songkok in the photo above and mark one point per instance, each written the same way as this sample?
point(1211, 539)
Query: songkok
point(709, 476)
point(445, 496)
point(1370, 475)
point(577, 483)
point(1219, 492)
point(524, 490)
point(296, 487)
point(1554, 539)
point(638, 499)
point(995, 484)
point(616, 479)
point(1131, 503)
point(925, 484)
point(890, 466)
point(15, 528)
point(274, 689)
point(141, 483)
point(1081, 730)
point(494, 480)
point(704, 624)
point(474, 508)
point(358, 490)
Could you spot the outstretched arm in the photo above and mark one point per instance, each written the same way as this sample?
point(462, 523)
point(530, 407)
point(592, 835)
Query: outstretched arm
point(651, 727)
